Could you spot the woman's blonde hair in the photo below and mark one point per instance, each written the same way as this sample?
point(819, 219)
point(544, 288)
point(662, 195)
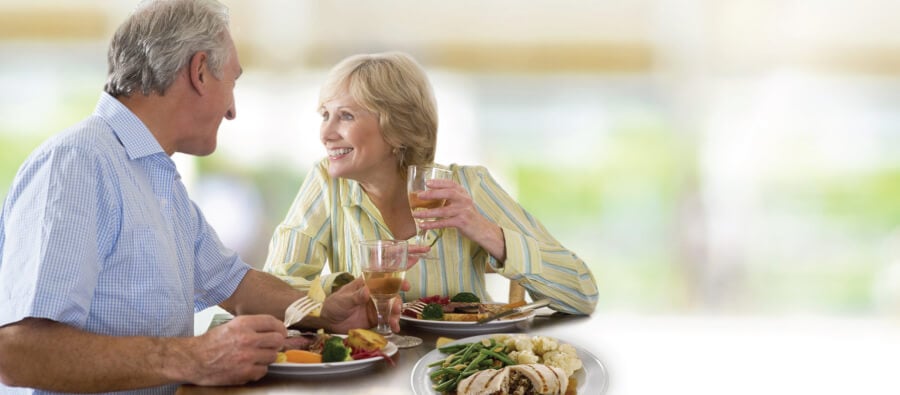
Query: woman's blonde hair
point(393, 86)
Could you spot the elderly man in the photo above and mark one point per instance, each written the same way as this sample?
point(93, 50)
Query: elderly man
point(103, 257)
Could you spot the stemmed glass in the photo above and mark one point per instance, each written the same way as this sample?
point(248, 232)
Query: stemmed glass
point(384, 264)
point(415, 183)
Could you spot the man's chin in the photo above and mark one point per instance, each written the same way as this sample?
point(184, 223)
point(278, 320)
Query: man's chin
point(204, 150)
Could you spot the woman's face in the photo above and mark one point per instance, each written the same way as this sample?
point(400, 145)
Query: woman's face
point(353, 141)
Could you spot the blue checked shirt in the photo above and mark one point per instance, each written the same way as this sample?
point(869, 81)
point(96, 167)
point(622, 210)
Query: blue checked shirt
point(98, 232)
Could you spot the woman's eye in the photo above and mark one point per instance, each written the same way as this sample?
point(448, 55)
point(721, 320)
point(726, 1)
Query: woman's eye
point(347, 116)
point(324, 116)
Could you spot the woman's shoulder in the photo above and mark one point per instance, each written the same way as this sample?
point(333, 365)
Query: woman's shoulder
point(469, 172)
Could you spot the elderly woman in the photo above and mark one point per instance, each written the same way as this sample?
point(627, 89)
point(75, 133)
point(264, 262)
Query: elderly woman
point(378, 117)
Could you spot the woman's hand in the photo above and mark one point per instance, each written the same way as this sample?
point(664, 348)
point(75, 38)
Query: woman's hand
point(459, 212)
point(416, 252)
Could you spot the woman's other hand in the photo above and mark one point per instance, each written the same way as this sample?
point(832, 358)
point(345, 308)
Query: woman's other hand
point(460, 212)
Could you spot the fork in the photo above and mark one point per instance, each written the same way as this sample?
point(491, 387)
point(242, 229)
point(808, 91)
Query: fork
point(299, 309)
point(418, 306)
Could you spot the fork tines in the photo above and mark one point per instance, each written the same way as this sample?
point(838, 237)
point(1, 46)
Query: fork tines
point(417, 306)
point(299, 309)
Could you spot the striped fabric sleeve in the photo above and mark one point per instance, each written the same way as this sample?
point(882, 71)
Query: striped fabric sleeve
point(534, 257)
point(301, 244)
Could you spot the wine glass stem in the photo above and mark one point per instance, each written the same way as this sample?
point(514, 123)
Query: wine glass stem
point(383, 306)
point(420, 235)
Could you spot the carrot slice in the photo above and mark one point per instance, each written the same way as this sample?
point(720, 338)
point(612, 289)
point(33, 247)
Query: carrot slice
point(302, 356)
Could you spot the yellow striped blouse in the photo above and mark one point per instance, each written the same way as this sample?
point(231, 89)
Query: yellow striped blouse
point(329, 215)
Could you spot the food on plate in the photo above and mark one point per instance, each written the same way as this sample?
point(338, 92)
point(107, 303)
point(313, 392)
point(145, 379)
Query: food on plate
point(516, 379)
point(300, 341)
point(302, 356)
point(506, 364)
point(526, 349)
point(466, 297)
point(364, 339)
point(513, 305)
point(321, 347)
point(433, 311)
point(464, 306)
point(467, 359)
point(335, 350)
point(442, 341)
point(464, 317)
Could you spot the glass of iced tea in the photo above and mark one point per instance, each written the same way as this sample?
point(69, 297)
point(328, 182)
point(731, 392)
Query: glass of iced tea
point(384, 264)
point(416, 182)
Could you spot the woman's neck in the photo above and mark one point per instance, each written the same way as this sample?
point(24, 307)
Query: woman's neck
point(388, 194)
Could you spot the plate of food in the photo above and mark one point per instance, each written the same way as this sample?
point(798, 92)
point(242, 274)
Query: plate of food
point(510, 363)
point(322, 355)
point(459, 315)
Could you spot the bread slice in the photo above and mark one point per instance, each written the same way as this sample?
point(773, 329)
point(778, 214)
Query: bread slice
point(464, 317)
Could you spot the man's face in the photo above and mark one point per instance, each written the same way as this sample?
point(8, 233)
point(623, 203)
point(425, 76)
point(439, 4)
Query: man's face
point(216, 103)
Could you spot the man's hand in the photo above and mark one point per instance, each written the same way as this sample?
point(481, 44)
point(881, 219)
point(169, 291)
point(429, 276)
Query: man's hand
point(351, 307)
point(236, 352)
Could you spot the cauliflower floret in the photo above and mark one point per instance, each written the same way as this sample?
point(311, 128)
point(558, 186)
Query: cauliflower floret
point(524, 357)
point(562, 360)
point(523, 343)
point(568, 349)
point(542, 344)
point(507, 340)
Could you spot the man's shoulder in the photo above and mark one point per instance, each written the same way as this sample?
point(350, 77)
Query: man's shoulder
point(92, 134)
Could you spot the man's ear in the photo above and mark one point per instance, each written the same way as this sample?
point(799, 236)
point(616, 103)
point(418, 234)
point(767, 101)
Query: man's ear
point(198, 72)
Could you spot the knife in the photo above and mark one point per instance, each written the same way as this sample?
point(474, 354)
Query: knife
point(517, 310)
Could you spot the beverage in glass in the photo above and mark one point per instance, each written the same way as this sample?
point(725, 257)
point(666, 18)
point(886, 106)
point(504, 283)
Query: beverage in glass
point(417, 176)
point(384, 264)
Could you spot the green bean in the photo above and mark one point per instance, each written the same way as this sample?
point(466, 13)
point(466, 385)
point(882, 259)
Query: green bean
point(474, 364)
point(470, 350)
point(465, 360)
point(454, 348)
point(447, 371)
point(445, 386)
point(497, 355)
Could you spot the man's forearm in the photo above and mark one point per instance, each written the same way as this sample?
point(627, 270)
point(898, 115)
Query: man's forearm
point(261, 293)
point(44, 354)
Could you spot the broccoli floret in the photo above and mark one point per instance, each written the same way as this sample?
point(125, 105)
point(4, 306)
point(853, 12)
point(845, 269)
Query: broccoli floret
point(433, 311)
point(465, 297)
point(335, 351)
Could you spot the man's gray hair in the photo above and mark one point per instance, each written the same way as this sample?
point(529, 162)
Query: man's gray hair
point(159, 39)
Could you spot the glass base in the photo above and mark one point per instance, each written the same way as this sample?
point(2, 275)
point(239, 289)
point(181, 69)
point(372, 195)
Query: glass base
point(405, 341)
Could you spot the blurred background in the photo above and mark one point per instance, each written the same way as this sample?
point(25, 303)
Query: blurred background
point(705, 158)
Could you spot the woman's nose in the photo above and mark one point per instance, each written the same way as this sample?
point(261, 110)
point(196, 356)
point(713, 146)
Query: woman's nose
point(327, 130)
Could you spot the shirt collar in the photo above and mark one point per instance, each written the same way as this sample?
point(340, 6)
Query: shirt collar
point(132, 133)
point(354, 195)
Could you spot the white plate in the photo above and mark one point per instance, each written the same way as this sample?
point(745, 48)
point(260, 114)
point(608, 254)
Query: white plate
point(516, 322)
point(329, 368)
point(591, 376)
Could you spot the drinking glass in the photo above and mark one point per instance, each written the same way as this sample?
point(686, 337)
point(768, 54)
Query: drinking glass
point(415, 183)
point(384, 264)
